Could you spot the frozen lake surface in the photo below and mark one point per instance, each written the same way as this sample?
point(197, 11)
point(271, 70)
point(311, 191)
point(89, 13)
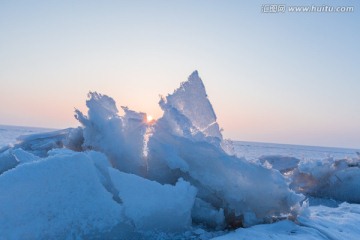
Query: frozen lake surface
point(9, 134)
point(250, 150)
point(253, 150)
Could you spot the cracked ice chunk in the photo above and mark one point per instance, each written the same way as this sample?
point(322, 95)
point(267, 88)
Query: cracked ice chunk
point(57, 197)
point(189, 106)
point(152, 206)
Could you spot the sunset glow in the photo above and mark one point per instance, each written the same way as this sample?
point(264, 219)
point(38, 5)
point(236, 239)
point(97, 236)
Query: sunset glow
point(285, 87)
point(149, 118)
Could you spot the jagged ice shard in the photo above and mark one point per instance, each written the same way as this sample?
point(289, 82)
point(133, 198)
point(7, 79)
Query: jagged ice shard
point(179, 165)
point(190, 113)
point(186, 143)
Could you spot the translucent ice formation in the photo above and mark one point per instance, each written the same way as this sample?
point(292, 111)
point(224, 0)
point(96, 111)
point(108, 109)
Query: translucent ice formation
point(187, 143)
point(121, 174)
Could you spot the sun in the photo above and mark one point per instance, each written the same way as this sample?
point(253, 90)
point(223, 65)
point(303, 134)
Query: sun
point(149, 118)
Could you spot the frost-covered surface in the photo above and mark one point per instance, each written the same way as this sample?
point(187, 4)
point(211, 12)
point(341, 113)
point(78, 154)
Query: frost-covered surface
point(121, 177)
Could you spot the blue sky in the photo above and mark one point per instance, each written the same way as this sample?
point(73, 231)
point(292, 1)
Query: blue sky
point(281, 77)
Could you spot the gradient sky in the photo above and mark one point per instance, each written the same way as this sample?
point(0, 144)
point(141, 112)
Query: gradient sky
point(286, 77)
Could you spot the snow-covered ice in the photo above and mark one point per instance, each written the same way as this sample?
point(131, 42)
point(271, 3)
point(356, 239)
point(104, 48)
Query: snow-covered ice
point(122, 177)
point(60, 197)
point(321, 223)
point(152, 206)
